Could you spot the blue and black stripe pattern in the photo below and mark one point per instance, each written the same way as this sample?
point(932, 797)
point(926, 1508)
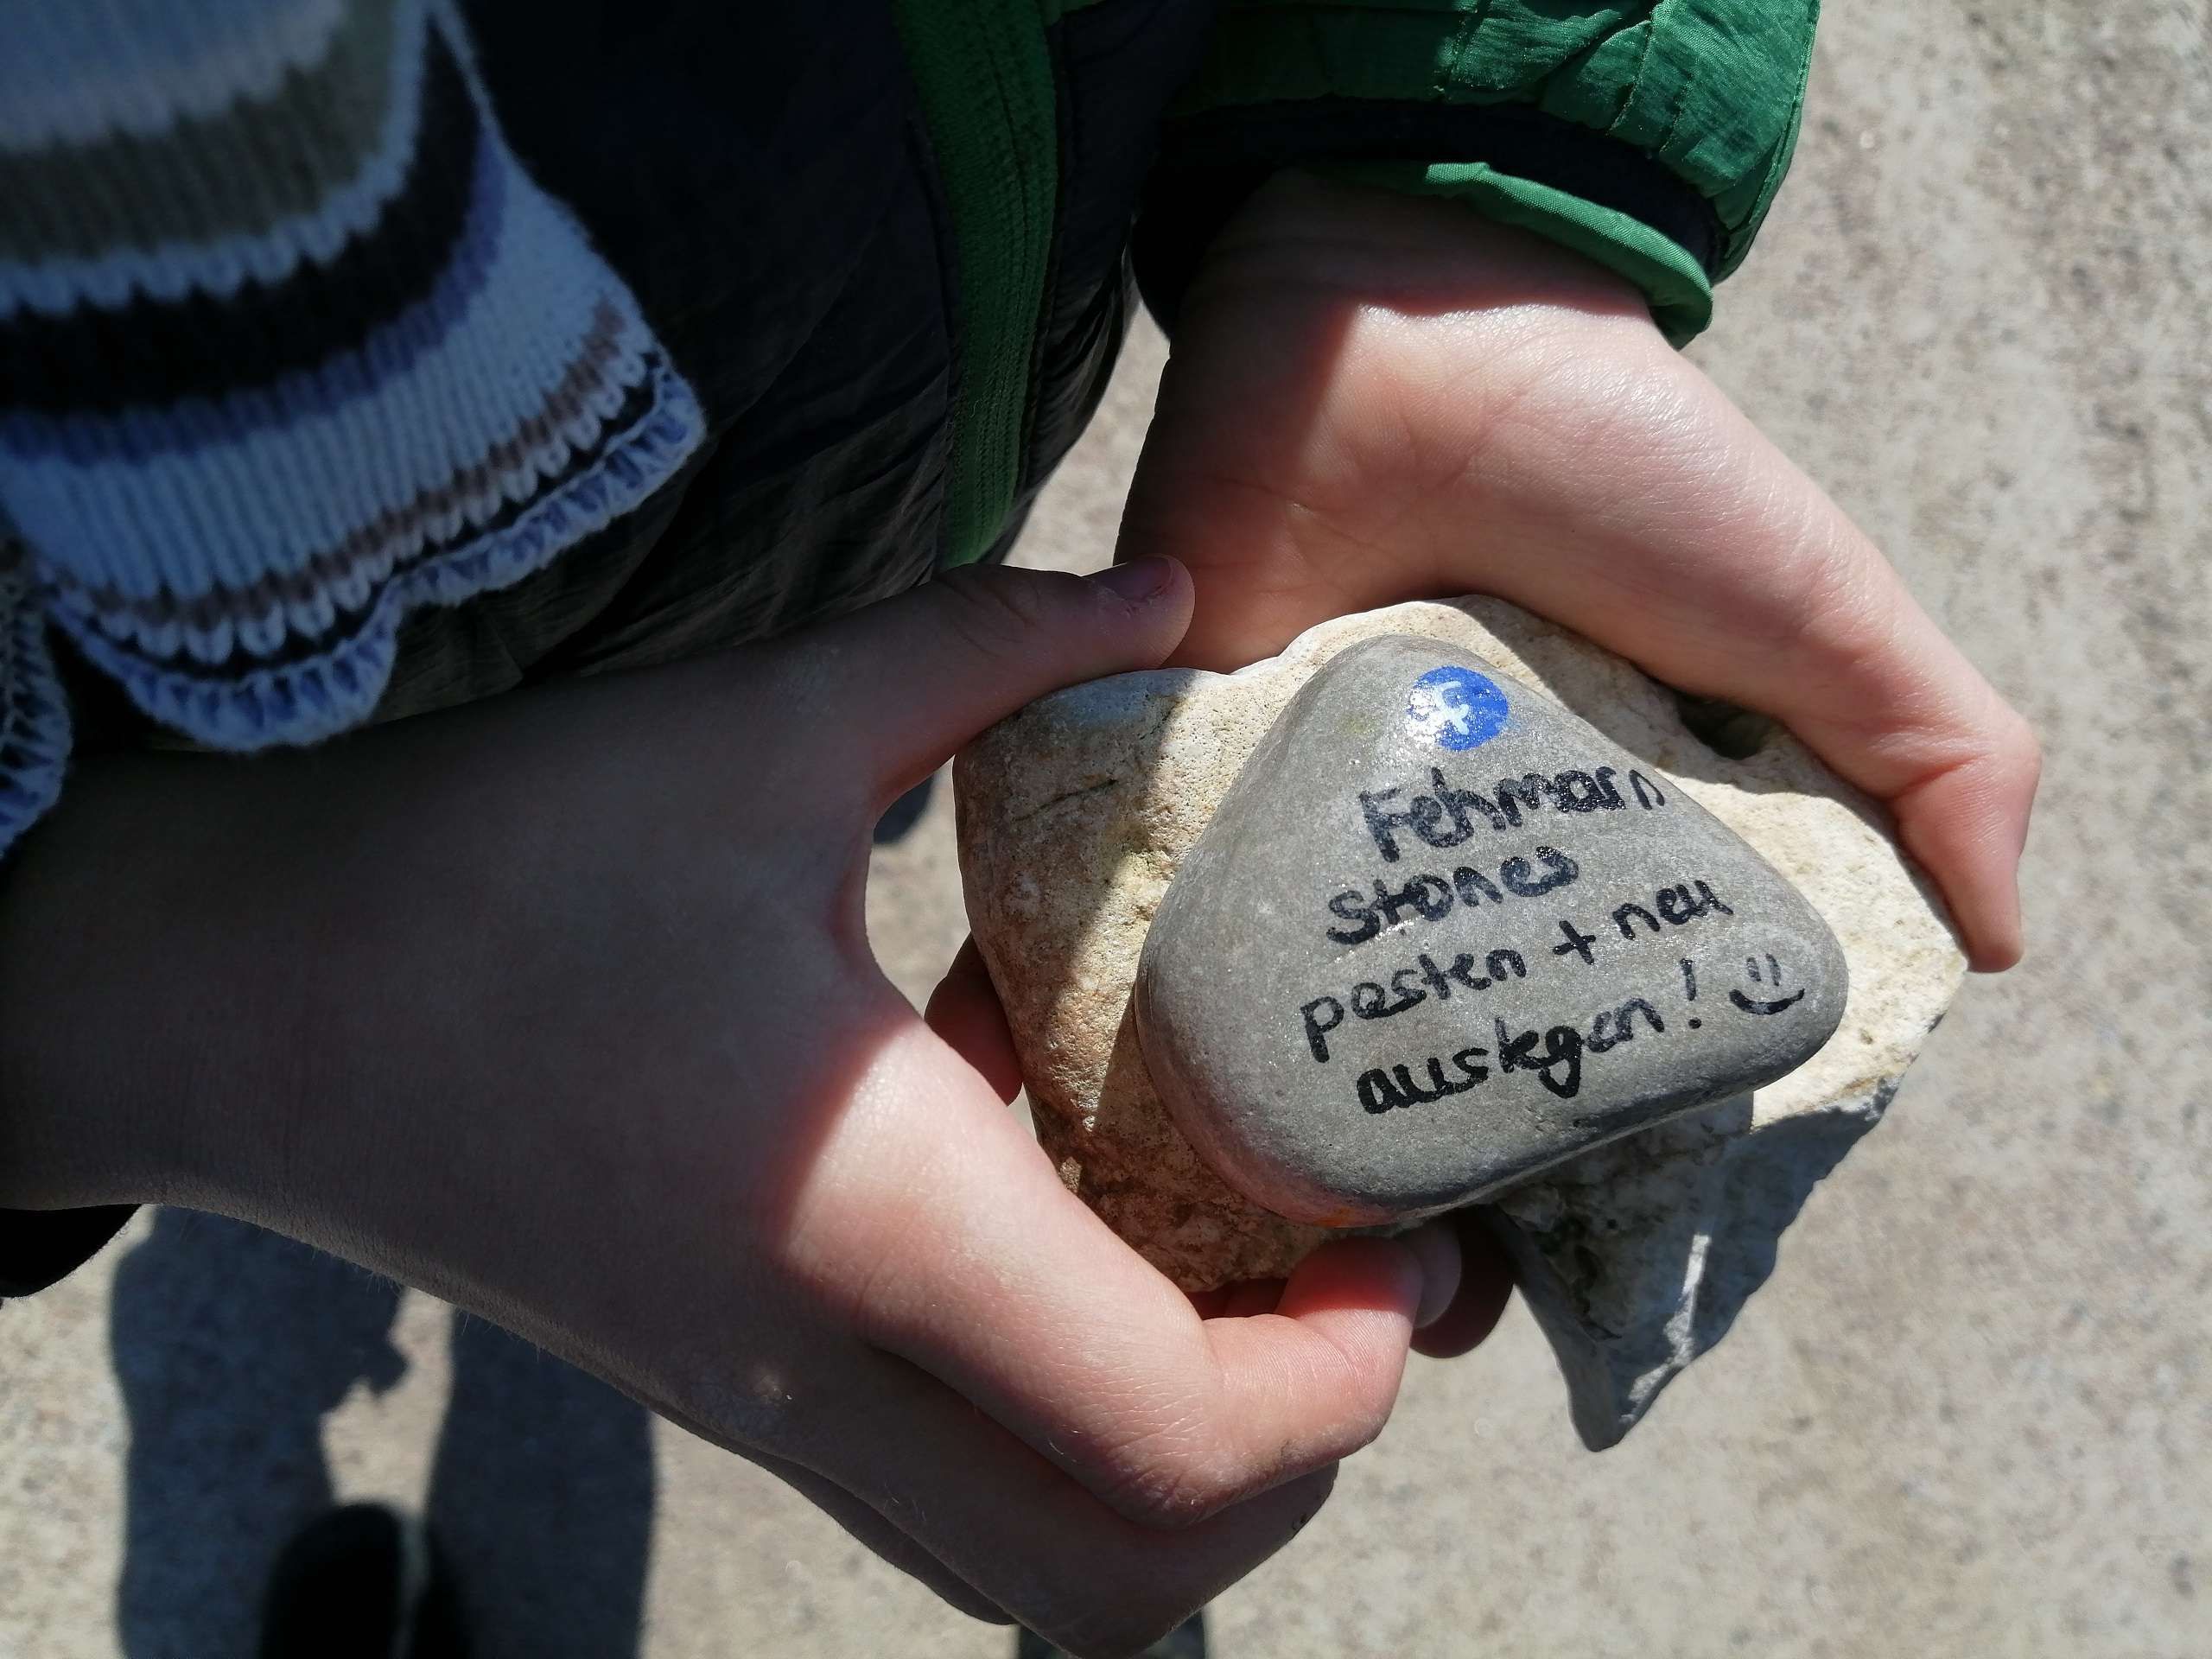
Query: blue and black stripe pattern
point(290, 346)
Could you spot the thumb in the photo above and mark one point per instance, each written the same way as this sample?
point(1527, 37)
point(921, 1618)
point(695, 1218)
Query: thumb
point(915, 677)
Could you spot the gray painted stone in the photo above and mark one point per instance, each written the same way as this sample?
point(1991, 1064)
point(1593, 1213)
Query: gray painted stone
point(1442, 934)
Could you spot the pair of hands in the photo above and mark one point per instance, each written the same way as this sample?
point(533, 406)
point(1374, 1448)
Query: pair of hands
point(562, 1006)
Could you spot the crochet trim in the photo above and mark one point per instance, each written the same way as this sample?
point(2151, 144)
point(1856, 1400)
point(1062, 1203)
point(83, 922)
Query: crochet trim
point(338, 686)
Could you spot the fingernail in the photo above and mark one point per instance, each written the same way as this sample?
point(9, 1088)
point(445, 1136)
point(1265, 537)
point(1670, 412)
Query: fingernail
point(1436, 1247)
point(1139, 580)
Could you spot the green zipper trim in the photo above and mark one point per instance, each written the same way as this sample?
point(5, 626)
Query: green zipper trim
point(984, 74)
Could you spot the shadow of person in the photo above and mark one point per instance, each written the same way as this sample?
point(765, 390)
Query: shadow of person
point(231, 1344)
point(542, 1498)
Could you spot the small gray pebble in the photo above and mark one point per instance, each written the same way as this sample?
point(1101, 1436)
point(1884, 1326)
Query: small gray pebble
point(1442, 934)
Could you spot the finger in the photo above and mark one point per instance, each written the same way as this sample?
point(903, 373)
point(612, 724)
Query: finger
point(870, 1527)
point(976, 1264)
point(1800, 616)
point(1966, 820)
point(965, 1011)
point(915, 677)
point(1435, 1245)
point(1823, 636)
point(1006, 1521)
point(1485, 1284)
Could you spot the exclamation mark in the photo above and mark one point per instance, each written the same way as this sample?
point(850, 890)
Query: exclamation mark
point(1690, 988)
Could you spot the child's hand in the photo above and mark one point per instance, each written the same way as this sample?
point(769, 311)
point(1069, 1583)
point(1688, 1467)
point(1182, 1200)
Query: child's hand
point(1375, 398)
point(563, 1007)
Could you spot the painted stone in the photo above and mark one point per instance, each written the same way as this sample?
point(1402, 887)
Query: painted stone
point(1441, 935)
point(1074, 815)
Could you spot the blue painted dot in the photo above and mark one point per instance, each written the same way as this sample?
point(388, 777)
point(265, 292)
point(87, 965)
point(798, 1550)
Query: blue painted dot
point(1455, 707)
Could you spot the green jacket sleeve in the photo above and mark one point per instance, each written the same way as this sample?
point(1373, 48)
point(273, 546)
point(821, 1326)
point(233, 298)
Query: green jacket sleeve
point(1650, 135)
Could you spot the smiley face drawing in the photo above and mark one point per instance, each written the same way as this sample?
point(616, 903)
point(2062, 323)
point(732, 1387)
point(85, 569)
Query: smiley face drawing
point(1771, 980)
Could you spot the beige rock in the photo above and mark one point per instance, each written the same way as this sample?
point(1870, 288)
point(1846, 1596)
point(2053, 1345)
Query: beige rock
point(1636, 1257)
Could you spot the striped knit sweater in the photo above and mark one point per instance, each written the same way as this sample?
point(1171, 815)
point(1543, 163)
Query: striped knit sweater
point(290, 346)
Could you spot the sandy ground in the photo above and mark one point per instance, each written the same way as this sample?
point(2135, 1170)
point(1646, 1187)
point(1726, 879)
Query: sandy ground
point(1972, 1413)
